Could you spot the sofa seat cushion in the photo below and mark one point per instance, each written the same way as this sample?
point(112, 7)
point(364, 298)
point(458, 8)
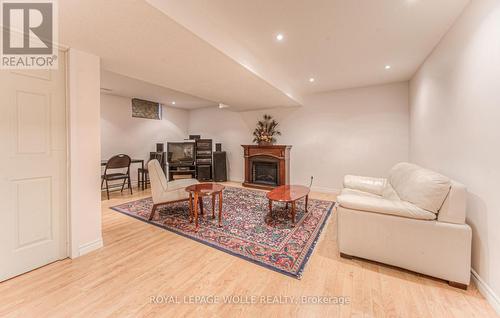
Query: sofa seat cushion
point(424, 188)
point(384, 206)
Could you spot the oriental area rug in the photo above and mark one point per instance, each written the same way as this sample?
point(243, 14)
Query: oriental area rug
point(247, 230)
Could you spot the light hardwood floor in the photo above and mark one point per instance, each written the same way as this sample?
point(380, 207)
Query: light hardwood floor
point(139, 261)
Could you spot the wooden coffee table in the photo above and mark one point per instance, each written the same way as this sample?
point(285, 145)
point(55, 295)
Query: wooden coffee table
point(288, 194)
point(198, 191)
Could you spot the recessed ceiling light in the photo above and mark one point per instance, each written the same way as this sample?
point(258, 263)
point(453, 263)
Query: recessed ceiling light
point(311, 79)
point(279, 37)
point(387, 67)
point(173, 103)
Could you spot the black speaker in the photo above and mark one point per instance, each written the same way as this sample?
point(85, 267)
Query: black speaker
point(204, 172)
point(218, 147)
point(220, 170)
point(160, 147)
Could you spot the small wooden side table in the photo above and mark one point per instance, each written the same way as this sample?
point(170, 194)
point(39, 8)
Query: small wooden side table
point(288, 194)
point(197, 192)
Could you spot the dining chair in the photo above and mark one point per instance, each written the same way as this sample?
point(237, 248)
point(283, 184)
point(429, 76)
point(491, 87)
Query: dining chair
point(143, 173)
point(118, 162)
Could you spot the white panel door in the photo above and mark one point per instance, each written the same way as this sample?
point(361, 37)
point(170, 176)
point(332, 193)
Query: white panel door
point(32, 169)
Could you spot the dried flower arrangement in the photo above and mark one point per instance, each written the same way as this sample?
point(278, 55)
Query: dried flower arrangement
point(266, 131)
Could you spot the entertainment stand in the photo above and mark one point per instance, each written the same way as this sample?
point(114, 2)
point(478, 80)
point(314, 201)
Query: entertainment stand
point(190, 159)
point(181, 171)
point(181, 160)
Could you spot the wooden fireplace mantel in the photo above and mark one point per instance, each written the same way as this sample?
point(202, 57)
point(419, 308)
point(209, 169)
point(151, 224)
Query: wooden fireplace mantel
point(281, 153)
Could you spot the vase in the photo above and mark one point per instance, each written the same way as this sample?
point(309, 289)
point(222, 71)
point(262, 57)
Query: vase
point(265, 143)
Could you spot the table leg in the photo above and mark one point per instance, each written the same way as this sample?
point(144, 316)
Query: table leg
point(200, 198)
point(190, 207)
point(286, 206)
point(138, 183)
point(307, 200)
point(293, 213)
point(271, 208)
point(139, 180)
point(213, 206)
point(196, 210)
point(220, 208)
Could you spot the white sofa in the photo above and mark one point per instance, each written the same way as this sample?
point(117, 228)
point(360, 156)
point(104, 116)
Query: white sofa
point(164, 192)
point(415, 219)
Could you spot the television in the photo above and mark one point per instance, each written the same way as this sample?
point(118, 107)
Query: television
point(181, 153)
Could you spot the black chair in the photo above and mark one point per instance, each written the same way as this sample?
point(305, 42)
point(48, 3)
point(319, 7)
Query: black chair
point(117, 162)
point(143, 174)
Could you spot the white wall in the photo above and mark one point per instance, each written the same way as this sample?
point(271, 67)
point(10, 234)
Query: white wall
point(361, 131)
point(136, 137)
point(84, 152)
point(455, 120)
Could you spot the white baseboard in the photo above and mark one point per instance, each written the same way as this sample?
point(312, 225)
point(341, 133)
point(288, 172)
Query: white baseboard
point(486, 291)
point(90, 246)
point(325, 190)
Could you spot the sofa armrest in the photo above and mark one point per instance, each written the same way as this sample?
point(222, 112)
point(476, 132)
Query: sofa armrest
point(365, 184)
point(384, 206)
point(454, 206)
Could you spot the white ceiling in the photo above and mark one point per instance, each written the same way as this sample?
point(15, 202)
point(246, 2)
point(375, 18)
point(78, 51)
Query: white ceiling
point(340, 43)
point(120, 85)
point(225, 51)
point(135, 39)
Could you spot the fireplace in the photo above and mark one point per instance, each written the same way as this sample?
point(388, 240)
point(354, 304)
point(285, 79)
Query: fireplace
point(266, 167)
point(265, 171)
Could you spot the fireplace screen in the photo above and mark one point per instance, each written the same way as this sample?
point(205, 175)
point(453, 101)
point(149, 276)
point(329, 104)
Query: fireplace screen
point(265, 172)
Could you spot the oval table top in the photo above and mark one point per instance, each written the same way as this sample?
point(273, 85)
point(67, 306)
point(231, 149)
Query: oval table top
point(205, 188)
point(288, 193)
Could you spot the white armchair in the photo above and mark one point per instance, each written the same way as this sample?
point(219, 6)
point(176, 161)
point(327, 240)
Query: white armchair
point(415, 219)
point(164, 192)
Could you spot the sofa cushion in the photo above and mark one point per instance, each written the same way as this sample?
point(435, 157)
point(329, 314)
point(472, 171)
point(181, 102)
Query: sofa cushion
point(383, 206)
point(358, 192)
point(389, 193)
point(424, 188)
point(365, 184)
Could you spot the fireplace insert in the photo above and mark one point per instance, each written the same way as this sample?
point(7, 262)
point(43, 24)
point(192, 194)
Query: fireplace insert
point(265, 171)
